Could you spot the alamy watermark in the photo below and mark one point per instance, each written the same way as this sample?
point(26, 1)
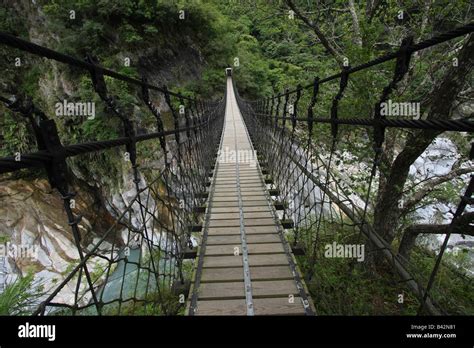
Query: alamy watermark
point(20, 251)
point(390, 108)
point(352, 251)
point(66, 108)
point(37, 331)
point(228, 155)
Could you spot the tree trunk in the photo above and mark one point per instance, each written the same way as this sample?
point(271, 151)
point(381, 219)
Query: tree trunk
point(462, 226)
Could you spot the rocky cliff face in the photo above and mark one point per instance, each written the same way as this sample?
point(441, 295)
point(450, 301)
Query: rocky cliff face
point(32, 216)
point(36, 235)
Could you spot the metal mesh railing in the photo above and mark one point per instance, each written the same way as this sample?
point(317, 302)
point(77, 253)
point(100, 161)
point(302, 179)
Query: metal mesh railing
point(138, 265)
point(327, 199)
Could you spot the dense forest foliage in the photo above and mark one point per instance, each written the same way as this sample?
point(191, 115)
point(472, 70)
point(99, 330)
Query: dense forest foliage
point(268, 44)
point(271, 45)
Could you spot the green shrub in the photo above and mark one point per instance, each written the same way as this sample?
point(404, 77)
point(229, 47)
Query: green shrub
point(21, 296)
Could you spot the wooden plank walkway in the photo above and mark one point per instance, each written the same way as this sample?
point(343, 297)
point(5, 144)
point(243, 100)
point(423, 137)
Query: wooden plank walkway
point(244, 266)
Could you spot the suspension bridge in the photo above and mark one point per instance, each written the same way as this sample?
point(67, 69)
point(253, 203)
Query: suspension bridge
point(245, 265)
point(210, 233)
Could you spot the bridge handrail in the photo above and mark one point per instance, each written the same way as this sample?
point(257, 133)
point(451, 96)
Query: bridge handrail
point(41, 51)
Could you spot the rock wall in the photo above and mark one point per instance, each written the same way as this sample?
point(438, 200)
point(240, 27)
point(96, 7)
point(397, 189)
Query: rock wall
point(35, 234)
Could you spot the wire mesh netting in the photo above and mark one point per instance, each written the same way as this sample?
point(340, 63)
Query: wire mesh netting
point(331, 173)
point(139, 265)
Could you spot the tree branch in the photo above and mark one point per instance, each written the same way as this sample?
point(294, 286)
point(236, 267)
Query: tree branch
point(321, 36)
point(462, 225)
point(431, 184)
point(355, 23)
point(371, 8)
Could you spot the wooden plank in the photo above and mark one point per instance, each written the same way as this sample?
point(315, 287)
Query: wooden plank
point(259, 222)
point(223, 231)
point(236, 222)
point(218, 291)
point(224, 223)
point(249, 186)
point(270, 248)
point(245, 181)
point(270, 273)
point(225, 198)
point(246, 191)
point(222, 183)
point(253, 175)
point(259, 203)
point(226, 190)
point(223, 261)
point(221, 307)
point(247, 209)
point(254, 197)
point(268, 260)
point(222, 275)
point(263, 238)
point(253, 192)
point(232, 170)
point(226, 166)
point(219, 193)
point(225, 204)
point(260, 229)
point(235, 274)
point(225, 216)
point(274, 288)
point(223, 250)
point(262, 214)
point(278, 306)
point(246, 169)
point(225, 209)
point(251, 238)
point(229, 239)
